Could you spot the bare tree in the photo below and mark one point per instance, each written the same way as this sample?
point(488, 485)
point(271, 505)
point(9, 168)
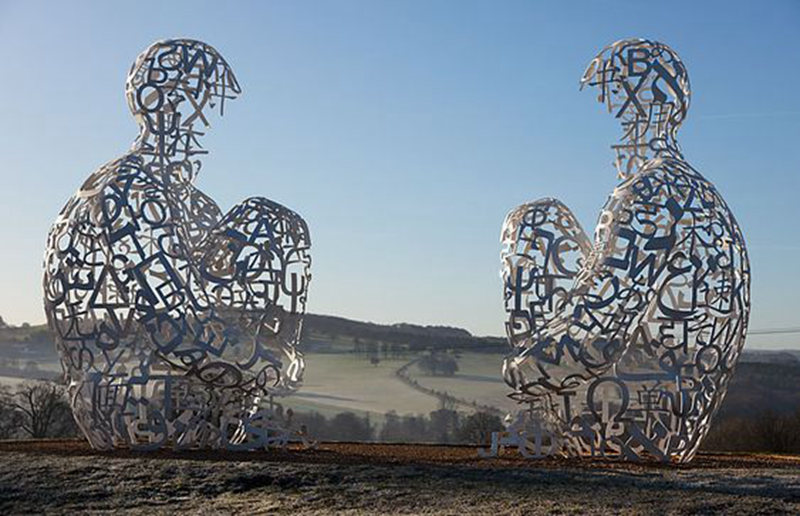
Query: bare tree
point(10, 418)
point(40, 406)
point(478, 428)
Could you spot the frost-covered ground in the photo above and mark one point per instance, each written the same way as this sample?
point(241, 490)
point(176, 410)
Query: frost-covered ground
point(68, 478)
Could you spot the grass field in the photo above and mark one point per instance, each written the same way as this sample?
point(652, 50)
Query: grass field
point(339, 382)
point(478, 378)
point(343, 382)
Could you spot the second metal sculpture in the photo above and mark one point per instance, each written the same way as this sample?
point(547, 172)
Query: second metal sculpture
point(174, 320)
point(624, 345)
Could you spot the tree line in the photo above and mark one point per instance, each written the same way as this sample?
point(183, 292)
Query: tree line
point(440, 426)
point(39, 409)
point(767, 431)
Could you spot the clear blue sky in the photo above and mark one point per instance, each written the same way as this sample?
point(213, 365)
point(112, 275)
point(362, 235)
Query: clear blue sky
point(404, 131)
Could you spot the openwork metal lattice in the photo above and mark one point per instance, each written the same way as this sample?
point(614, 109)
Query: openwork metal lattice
point(175, 322)
point(623, 346)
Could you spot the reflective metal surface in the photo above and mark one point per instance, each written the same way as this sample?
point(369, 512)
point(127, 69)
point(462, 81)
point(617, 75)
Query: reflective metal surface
point(625, 343)
point(176, 322)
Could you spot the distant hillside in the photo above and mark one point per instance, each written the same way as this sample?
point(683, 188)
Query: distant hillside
point(24, 342)
point(768, 356)
point(415, 337)
point(443, 331)
point(318, 329)
point(27, 342)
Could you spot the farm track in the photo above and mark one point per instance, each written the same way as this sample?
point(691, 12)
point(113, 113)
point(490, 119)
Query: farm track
point(442, 396)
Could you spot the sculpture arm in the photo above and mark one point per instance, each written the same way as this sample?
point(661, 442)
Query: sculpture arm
point(259, 264)
point(593, 326)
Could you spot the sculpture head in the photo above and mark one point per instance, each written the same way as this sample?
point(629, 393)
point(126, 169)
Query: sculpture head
point(645, 85)
point(175, 82)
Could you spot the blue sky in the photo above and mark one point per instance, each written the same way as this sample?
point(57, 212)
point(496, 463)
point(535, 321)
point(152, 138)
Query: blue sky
point(404, 131)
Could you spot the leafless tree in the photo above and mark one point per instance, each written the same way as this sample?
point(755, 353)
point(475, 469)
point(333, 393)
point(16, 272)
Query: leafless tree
point(478, 428)
point(10, 418)
point(40, 407)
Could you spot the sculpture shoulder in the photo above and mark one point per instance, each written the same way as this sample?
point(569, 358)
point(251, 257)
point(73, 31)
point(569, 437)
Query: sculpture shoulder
point(674, 185)
point(667, 207)
point(121, 195)
point(131, 174)
point(652, 210)
point(117, 177)
point(666, 178)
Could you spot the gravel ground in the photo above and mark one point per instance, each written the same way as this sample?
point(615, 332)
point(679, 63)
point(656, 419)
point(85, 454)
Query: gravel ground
point(66, 477)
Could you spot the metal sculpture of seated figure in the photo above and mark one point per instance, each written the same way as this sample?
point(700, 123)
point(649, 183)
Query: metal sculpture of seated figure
point(175, 322)
point(627, 343)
